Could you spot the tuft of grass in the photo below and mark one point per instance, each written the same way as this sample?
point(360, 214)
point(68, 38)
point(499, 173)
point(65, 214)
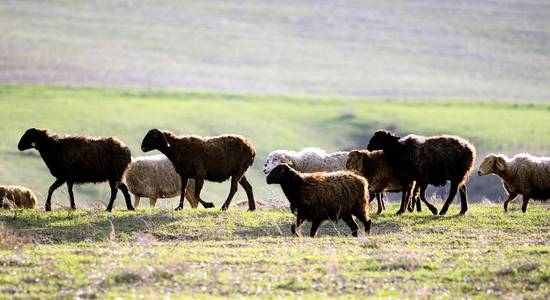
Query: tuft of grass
point(202, 253)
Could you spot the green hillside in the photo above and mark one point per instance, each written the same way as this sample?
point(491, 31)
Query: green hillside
point(270, 121)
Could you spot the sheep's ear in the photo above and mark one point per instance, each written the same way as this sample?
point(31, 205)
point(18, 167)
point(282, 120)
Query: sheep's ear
point(500, 163)
point(164, 140)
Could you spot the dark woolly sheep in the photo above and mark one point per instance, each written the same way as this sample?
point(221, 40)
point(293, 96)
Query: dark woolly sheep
point(324, 196)
point(206, 158)
point(428, 160)
point(80, 159)
point(17, 196)
point(377, 170)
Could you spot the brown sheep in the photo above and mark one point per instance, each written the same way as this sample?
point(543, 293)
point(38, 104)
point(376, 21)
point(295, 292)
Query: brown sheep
point(324, 196)
point(206, 158)
point(19, 196)
point(379, 173)
point(428, 160)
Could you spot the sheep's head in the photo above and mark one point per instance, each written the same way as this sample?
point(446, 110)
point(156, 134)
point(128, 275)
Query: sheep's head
point(355, 161)
point(492, 163)
point(32, 138)
point(154, 139)
point(381, 139)
point(278, 174)
point(274, 159)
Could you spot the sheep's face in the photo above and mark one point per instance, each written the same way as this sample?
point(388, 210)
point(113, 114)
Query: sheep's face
point(273, 161)
point(154, 139)
point(492, 164)
point(31, 138)
point(278, 174)
point(355, 161)
point(381, 139)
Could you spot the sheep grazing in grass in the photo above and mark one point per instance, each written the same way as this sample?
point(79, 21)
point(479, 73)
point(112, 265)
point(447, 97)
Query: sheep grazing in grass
point(17, 196)
point(522, 174)
point(206, 158)
point(324, 196)
point(428, 160)
point(80, 159)
point(377, 170)
point(307, 160)
point(154, 177)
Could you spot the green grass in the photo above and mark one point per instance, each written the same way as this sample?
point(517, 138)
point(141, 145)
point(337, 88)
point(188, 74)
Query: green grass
point(197, 253)
point(270, 121)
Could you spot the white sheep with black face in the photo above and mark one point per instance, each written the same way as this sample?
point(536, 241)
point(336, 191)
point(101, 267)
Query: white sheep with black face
point(307, 160)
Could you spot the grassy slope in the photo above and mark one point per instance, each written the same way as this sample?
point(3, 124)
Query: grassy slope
point(399, 49)
point(236, 253)
point(270, 121)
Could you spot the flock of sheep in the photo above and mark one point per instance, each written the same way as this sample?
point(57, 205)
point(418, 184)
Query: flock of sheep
point(318, 186)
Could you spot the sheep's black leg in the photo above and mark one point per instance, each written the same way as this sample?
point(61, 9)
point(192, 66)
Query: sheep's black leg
point(53, 187)
point(511, 197)
point(248, 189)
point(71, 196)
point(124, 189)
point(182, 194)
point(352, 225)
point(416, 199)
point(525, 202)
point(198, 187)
point(315, 228)
point(423, 198)
point(296, 226)
point(232, 191)
point(380, 202)
point(452, 194)
point(404, 198)
point(463, 200)
point(114, 191)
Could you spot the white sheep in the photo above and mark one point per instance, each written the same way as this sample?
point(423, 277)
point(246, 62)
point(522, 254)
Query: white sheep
point(155, 177)
point(307, 160)
point(522, 174)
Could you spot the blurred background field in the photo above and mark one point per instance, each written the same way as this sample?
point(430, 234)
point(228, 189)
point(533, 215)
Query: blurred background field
point(375, 49)
point(269, 121)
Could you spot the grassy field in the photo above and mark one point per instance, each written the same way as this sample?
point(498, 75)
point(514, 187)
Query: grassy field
point(270, 121)
point(196, 253)
point(400, 49)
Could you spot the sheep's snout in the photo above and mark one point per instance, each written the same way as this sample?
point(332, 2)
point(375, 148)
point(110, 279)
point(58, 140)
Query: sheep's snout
point(479, 173)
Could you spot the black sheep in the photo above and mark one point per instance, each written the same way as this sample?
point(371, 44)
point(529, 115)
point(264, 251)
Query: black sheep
point(80, 159)
point(206, 158)
point(428, 160)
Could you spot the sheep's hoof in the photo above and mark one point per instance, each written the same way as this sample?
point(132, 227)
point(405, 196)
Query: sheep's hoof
point(179, 208)
point(461, 213)
point(209, 205)
point(442, 213)
point(399, 212)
